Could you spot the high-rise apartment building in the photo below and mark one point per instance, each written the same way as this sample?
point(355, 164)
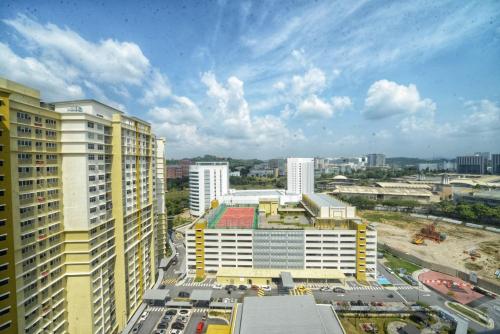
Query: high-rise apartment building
point(207, 181)
point(161, 211)
point(495, 163)
point(32, 273)
point(472, 164)
point(78, 218)
point(376, 160)
point(300, 175)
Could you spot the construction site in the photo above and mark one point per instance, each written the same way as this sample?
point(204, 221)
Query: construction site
point(456, 246)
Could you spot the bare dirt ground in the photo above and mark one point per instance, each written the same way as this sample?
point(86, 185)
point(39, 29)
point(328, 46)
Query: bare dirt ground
point(398, 232)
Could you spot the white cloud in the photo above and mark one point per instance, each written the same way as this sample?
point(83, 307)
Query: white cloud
point(314, 107)
point(387, 98)
point(313, 81)
point(279, 85)
point(158, 88)
point(484, 117)
point(341, 103)
point(29, 70)
point(183, 110)
point(108, 60)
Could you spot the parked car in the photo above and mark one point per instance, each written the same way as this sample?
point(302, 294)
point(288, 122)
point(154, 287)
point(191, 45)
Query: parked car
point(183, 294)
point(184, 311)
point(204, 317)
point(353, 303)
point(183, 319)
point(324, 289)
point(175, 331)
point(266, 288)
point(231, 287)
point(162, 325)
point(338, 290)
point(199, 327)
point(242, 287)
point(177, 325)
point(171, 312)
point(390, 295)
point(160, 331)
point(217, 286)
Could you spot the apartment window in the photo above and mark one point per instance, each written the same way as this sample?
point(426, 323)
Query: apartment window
point(5, 325)
point(2, 207)
point(23, 116)
point(90, 146)
point(50, 122)
point(90, 125)
point(5, 310)
point(90, 135)
point(3, 222)
point(4, 281)
point(24, 143)
point(91, 157)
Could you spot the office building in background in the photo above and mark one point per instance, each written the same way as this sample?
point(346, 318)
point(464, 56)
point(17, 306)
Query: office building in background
point(472, 164)
point(207, 181)
point(376, 160)
point(300, 175)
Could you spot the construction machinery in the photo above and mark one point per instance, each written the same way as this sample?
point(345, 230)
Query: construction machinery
point(417, 240)
point(473, 253)
point(430, 232)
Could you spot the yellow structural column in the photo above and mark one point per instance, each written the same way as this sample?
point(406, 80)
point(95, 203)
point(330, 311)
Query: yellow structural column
point(361, 252)
point(200, 249)
point(6, 216)
point(116, 186)
point(138, 185)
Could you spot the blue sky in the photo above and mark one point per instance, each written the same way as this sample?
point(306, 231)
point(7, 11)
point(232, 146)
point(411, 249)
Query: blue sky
point(273, 78)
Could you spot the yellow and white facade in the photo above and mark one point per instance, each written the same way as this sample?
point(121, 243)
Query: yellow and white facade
point(78, 214)
point(32, 293)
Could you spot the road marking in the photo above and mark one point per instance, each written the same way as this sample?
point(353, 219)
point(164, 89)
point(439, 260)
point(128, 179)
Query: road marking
point(396, 291)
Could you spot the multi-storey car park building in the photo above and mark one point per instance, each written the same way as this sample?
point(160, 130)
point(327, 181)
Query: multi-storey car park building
point(77, 218)
point(320, 238)
point(207, 181)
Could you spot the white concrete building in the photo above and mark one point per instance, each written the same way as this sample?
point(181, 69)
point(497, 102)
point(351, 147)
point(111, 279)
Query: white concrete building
point(207, 181)
point(324, 206)
point(305, 249)
point(245, 197)
point(300, 175)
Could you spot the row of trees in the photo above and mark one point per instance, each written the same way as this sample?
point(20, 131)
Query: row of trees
point(477, 212)
point(364, 203)
point(259, 182)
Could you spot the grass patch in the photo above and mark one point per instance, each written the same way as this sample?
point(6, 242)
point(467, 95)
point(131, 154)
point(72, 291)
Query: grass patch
point(395, 263)
point(351, 324)
point(225, 315)
point(473, 266)
point(468, 312)
point(380, 216)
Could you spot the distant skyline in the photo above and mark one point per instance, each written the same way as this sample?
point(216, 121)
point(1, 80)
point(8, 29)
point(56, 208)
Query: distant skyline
point(267, 79)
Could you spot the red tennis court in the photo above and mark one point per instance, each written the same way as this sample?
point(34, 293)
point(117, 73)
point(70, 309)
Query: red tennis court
point(237, 218)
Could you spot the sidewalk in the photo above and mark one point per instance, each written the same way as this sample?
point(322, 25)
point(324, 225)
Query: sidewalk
point(415, 275)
